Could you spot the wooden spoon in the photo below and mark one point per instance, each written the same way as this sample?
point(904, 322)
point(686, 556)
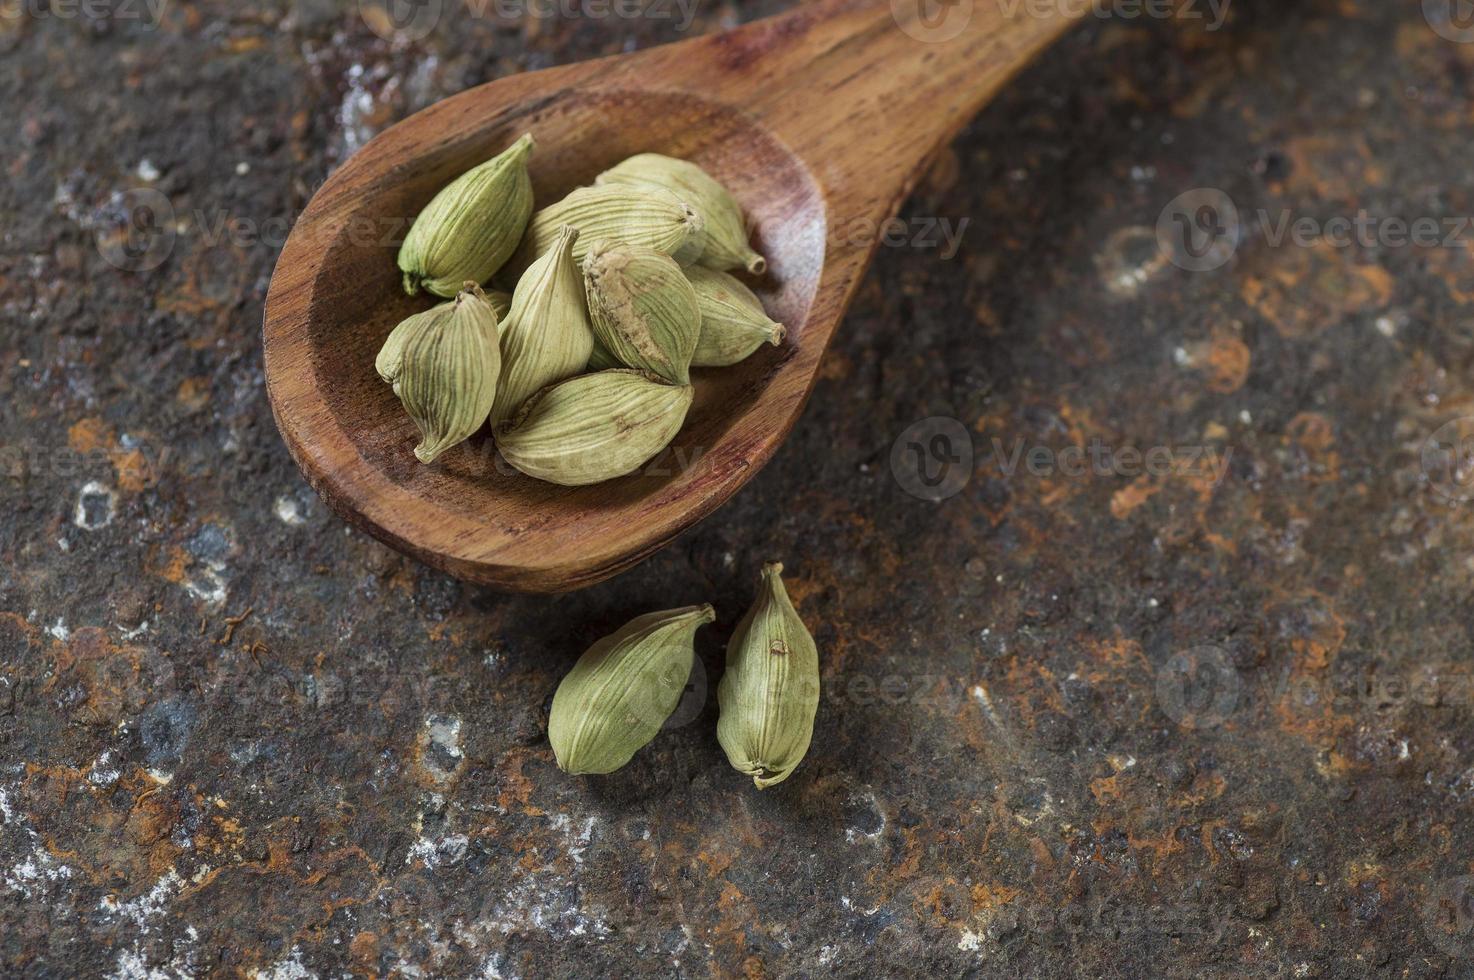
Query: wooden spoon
point(820, 120)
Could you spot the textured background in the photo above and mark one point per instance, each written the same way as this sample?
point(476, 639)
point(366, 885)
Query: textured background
point(1075, 723)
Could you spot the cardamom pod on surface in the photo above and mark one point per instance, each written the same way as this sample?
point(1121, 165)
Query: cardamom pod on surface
point(472, 227)
point(769, 694)
point(622, 691)
point(447, 371)
point(726, 231)
point(644, 309)
point(645, 216)
point(594, 428)
point(546, 336)
point(733, 322)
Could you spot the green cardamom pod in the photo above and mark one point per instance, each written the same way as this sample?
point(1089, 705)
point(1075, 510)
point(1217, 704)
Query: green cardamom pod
point(622, 691)
point(472, 227)
point(644, 216)
point(391, 355)
point(594, 428)
point(547, 336)
point(726, 231)
point(733, 322)
point(770, 691)
point(643, 308)
point(448, 371)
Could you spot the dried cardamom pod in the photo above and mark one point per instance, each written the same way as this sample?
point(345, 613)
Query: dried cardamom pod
point(595, 428)
point(470, 229)
point(391, 355)
point(643, 308)
point(770, 692)
point(547, 336)
point(620, 693)
point(733, 322)
point(726, 231)
point(644, 216)
point(448, 370)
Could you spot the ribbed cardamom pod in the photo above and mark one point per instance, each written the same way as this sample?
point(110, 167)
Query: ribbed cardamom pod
point(448, 371)
point(770, 692)
point(644, 216)
point(733, 322)
point(594, 428)
point(470, 229)
point(622, 691)
point(391, 355)
point(643, 308)
point(547, 336)
point(726, 231)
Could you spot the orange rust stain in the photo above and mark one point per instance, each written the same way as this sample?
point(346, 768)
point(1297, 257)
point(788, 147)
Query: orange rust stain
point(1220, 543)
point(242, 45)
point(194, 393)
point(174, 570)
point(1203, 789)
point(716, 864)
point(1303, 290)
point(734, 913)
point(992, 896)
point(133, 471)
point(1129, 498)
point(1323, 167)
point(364, 947)
point(1312, 430)
point(90, 435)
point(1315, 649)
point(516, 787)
point(93, 435)
point(1228, 363)
point(1105, 790)
point(1161, 845)
point(753, 968)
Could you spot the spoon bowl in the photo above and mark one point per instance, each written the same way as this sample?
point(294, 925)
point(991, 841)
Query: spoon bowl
point(775, 111)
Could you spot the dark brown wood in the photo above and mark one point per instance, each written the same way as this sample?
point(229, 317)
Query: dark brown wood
point(819, 120)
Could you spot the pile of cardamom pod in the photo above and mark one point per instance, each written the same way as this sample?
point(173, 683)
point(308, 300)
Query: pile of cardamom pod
point(627, 279)
point(623, 690)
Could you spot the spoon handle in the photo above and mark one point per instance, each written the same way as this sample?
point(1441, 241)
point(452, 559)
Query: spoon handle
point(866, 90)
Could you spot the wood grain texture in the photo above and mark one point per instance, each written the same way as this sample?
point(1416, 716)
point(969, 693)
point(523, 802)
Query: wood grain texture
point(819, 119)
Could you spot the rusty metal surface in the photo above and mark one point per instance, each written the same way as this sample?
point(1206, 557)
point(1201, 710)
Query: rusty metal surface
point(1202, 712)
